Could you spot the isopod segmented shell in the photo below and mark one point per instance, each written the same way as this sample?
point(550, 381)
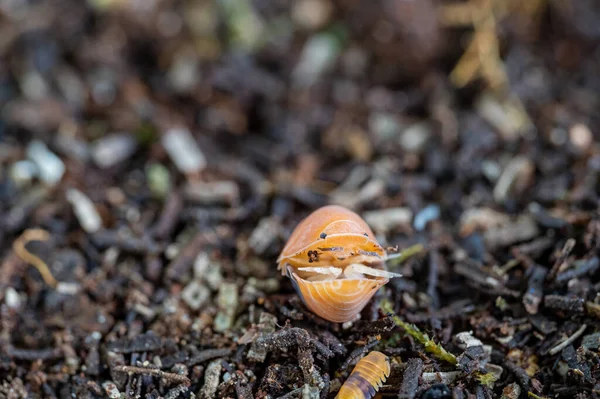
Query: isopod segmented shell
point(335, 263)
point(331, 236)
point(337, 300)
point(368, 376)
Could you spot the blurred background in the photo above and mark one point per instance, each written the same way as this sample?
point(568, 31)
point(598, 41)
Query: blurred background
point(150, 139)
point(301, 92)
point(276, 82)
point(238, 102)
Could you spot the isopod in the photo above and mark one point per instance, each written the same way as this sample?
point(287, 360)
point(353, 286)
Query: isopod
point(335, 263)
point(368, 376)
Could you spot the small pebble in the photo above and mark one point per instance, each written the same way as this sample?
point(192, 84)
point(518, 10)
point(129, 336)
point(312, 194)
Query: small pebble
point(12, 298)
point(426, 215)
point(384, 125)
point(515, 178)
point(558, 136)
point(318, 56)
point(159, 180)
point(226, 376)
point(201, 265)
point(111, 390)
point(481, 219)
point(466, 340)
point(269, 285)
point(145, 311)
point(212, 192)
point(50, 166)
point(112, 149)
point(491, 170)
point(195, 295)
point(72, 147)
point(33, 86)
point(521, 229)
point(384, 220)
point(228, 303)
point(183, 150)
point(373, 189)
point(265, 233)
point(507, 117)
point(358, 144)
point(581, 137)
point(214, 276)
point(68, 288)
point(415, 137)
point(183, 74)
point(23, 172)
point(84, 209)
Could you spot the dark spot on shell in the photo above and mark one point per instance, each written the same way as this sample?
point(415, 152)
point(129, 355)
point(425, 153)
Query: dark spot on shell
point(323, 235)
point(365, 234)
point(313, 256)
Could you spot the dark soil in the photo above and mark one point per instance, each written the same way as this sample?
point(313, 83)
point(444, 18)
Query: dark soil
point(155, 156)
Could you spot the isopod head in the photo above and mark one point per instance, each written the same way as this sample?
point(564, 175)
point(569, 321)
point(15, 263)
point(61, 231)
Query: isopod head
point(335, 263)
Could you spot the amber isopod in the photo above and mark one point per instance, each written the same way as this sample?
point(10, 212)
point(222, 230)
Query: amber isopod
point(335, 263)
point(368, 376)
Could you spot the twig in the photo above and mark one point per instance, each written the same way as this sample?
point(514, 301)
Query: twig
point(586, 267)
point(22, 252)
point(570, 305)
point(208, 354)
point(432, 279)
point(169, 377)
point(564, 253)
point(358, 352)
point(535, 289)
point(567, 341)
point(482, 56)
point(292, 394)
point(34, 354)
point(521, 375)
point(410, 380)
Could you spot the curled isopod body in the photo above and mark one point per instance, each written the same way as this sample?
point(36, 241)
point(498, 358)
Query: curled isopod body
point(335, 263)
point(368, 376)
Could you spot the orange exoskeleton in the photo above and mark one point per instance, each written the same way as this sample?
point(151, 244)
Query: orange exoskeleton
point(367, 377)
point(335, 263)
